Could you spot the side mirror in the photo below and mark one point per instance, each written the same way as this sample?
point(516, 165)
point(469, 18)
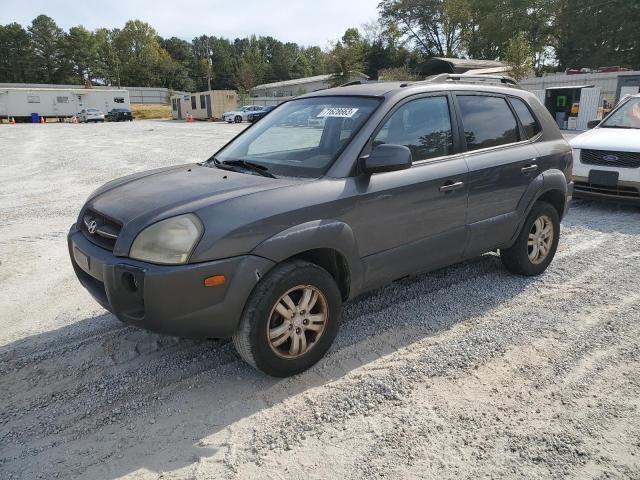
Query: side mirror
point(387, 158)
point(593, 124)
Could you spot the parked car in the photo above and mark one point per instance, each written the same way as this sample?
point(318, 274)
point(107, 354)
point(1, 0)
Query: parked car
point(257, 115)
point(263, 241)
point(240, 115)
point(90, 115)
point(607, 158)
point(119, 115)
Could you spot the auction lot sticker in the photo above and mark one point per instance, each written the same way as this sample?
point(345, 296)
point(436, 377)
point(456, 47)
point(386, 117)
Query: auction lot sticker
point(338, 112)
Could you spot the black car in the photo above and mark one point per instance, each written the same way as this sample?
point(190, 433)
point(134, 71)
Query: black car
point(266, 239)
point(119, 115)
point(255, 116)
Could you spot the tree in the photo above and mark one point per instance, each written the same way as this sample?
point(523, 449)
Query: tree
point(81, 50)
point(347, 57)
point(435, 27)
point(48, 47)
point(108, 65)
point(17, 62)
point(520, 57)
point(593, 33)
point(139, 53)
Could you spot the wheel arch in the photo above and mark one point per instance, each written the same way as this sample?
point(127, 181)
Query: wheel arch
point(329, 244)
point(550, 186)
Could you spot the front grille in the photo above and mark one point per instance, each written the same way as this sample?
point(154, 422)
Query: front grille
point(610, 159)
point(618, 191)
point(100, 229)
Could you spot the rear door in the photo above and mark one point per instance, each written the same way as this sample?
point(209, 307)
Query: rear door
point(502, 163)
point(415, 220)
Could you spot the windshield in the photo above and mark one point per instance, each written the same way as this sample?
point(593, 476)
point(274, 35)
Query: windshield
point(301, 138)
point(625, 116)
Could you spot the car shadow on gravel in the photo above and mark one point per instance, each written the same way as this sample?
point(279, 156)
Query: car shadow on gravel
point(100, 399)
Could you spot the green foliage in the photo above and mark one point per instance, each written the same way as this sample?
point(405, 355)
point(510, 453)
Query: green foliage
point(596, 33)
point(17, 59)
point(347, 57)
point(527, 34)
point(47, 43)
point(519, 57)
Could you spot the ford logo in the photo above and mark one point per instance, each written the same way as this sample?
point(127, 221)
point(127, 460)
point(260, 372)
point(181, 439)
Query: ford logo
point(610, 158)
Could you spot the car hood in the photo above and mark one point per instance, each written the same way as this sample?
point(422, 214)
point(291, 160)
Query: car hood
point(144, 198)
point(615, 139)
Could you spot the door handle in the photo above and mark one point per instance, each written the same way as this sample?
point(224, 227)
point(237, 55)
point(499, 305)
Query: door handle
point(529, 169)
point(447, 187)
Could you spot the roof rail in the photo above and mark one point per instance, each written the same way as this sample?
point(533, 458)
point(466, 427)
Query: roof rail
point(354, 82)
point(467, 78)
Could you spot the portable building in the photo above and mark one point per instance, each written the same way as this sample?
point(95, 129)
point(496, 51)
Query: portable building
point(22, 103)
point(210, 104)
point(574, 100)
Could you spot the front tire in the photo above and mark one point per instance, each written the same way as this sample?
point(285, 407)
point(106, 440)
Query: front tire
point(290, 319)
point(238, 119)
point(537, 243)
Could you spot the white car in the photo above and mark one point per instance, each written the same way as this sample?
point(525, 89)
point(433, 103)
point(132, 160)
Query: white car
point(606, 159)
point(90, 115)
point(241, 114)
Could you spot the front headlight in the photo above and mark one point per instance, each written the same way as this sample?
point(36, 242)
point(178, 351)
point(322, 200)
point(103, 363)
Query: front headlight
point(169, 241)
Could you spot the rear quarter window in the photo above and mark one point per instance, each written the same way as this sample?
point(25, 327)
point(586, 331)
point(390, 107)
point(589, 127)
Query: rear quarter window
point(528, 121)
point(487, 121)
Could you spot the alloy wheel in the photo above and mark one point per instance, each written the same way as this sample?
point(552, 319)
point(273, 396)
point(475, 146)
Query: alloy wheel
point(540, 239)
point(297, 321)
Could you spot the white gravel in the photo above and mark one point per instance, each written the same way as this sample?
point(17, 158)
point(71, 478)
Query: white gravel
point(467, 372)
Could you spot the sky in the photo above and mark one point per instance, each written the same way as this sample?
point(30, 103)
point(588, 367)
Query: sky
point(307, 22)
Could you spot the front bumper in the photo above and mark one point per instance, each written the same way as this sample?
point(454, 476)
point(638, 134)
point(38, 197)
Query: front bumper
point(624, 192)
point(167, 299)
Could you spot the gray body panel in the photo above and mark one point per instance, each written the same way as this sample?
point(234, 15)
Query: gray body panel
point(385, 226)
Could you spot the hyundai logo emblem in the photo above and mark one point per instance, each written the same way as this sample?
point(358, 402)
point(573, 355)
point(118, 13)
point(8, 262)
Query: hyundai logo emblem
point(91, 228)
point(610, 158)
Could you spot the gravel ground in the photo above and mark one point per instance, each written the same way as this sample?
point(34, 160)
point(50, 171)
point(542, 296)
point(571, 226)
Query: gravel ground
point(467, 372)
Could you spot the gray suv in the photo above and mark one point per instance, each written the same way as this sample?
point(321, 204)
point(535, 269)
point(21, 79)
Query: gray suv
point(332, 194)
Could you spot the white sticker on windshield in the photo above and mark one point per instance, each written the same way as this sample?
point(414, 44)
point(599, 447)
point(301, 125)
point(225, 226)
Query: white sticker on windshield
point(339, 112)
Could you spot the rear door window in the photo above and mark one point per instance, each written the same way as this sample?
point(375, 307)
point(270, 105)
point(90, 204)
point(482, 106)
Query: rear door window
point(422, 125)
point(487, 121)
point(528, 121)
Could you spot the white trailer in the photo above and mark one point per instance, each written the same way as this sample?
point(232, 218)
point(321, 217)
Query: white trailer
point(22, 103)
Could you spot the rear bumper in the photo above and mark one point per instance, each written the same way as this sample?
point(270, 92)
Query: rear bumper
point(167, 299)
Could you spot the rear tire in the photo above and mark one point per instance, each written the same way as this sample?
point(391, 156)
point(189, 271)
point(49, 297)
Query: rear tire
point(537, 243)
point(282, 334)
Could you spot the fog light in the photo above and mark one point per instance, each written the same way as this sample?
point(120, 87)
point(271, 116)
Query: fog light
point(214, 281)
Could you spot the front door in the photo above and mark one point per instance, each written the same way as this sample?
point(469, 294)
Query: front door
point(414, 220)
point(179, 102)
point(502, 164)
point(208, 99)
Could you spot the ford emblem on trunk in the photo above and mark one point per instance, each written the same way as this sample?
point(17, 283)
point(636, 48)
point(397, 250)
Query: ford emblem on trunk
point(610, 158)
point(92, 227)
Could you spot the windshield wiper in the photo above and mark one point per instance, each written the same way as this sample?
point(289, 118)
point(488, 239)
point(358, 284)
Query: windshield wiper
point(619, 126)
point(254, 167)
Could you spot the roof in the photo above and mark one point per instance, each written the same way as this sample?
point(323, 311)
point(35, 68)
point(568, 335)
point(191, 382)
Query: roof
point(569, 87)
point(299, 81)
point(60, 90)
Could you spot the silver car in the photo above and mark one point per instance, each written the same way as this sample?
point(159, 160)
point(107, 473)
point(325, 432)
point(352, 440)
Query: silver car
point(90, 115)
point(241, 115)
